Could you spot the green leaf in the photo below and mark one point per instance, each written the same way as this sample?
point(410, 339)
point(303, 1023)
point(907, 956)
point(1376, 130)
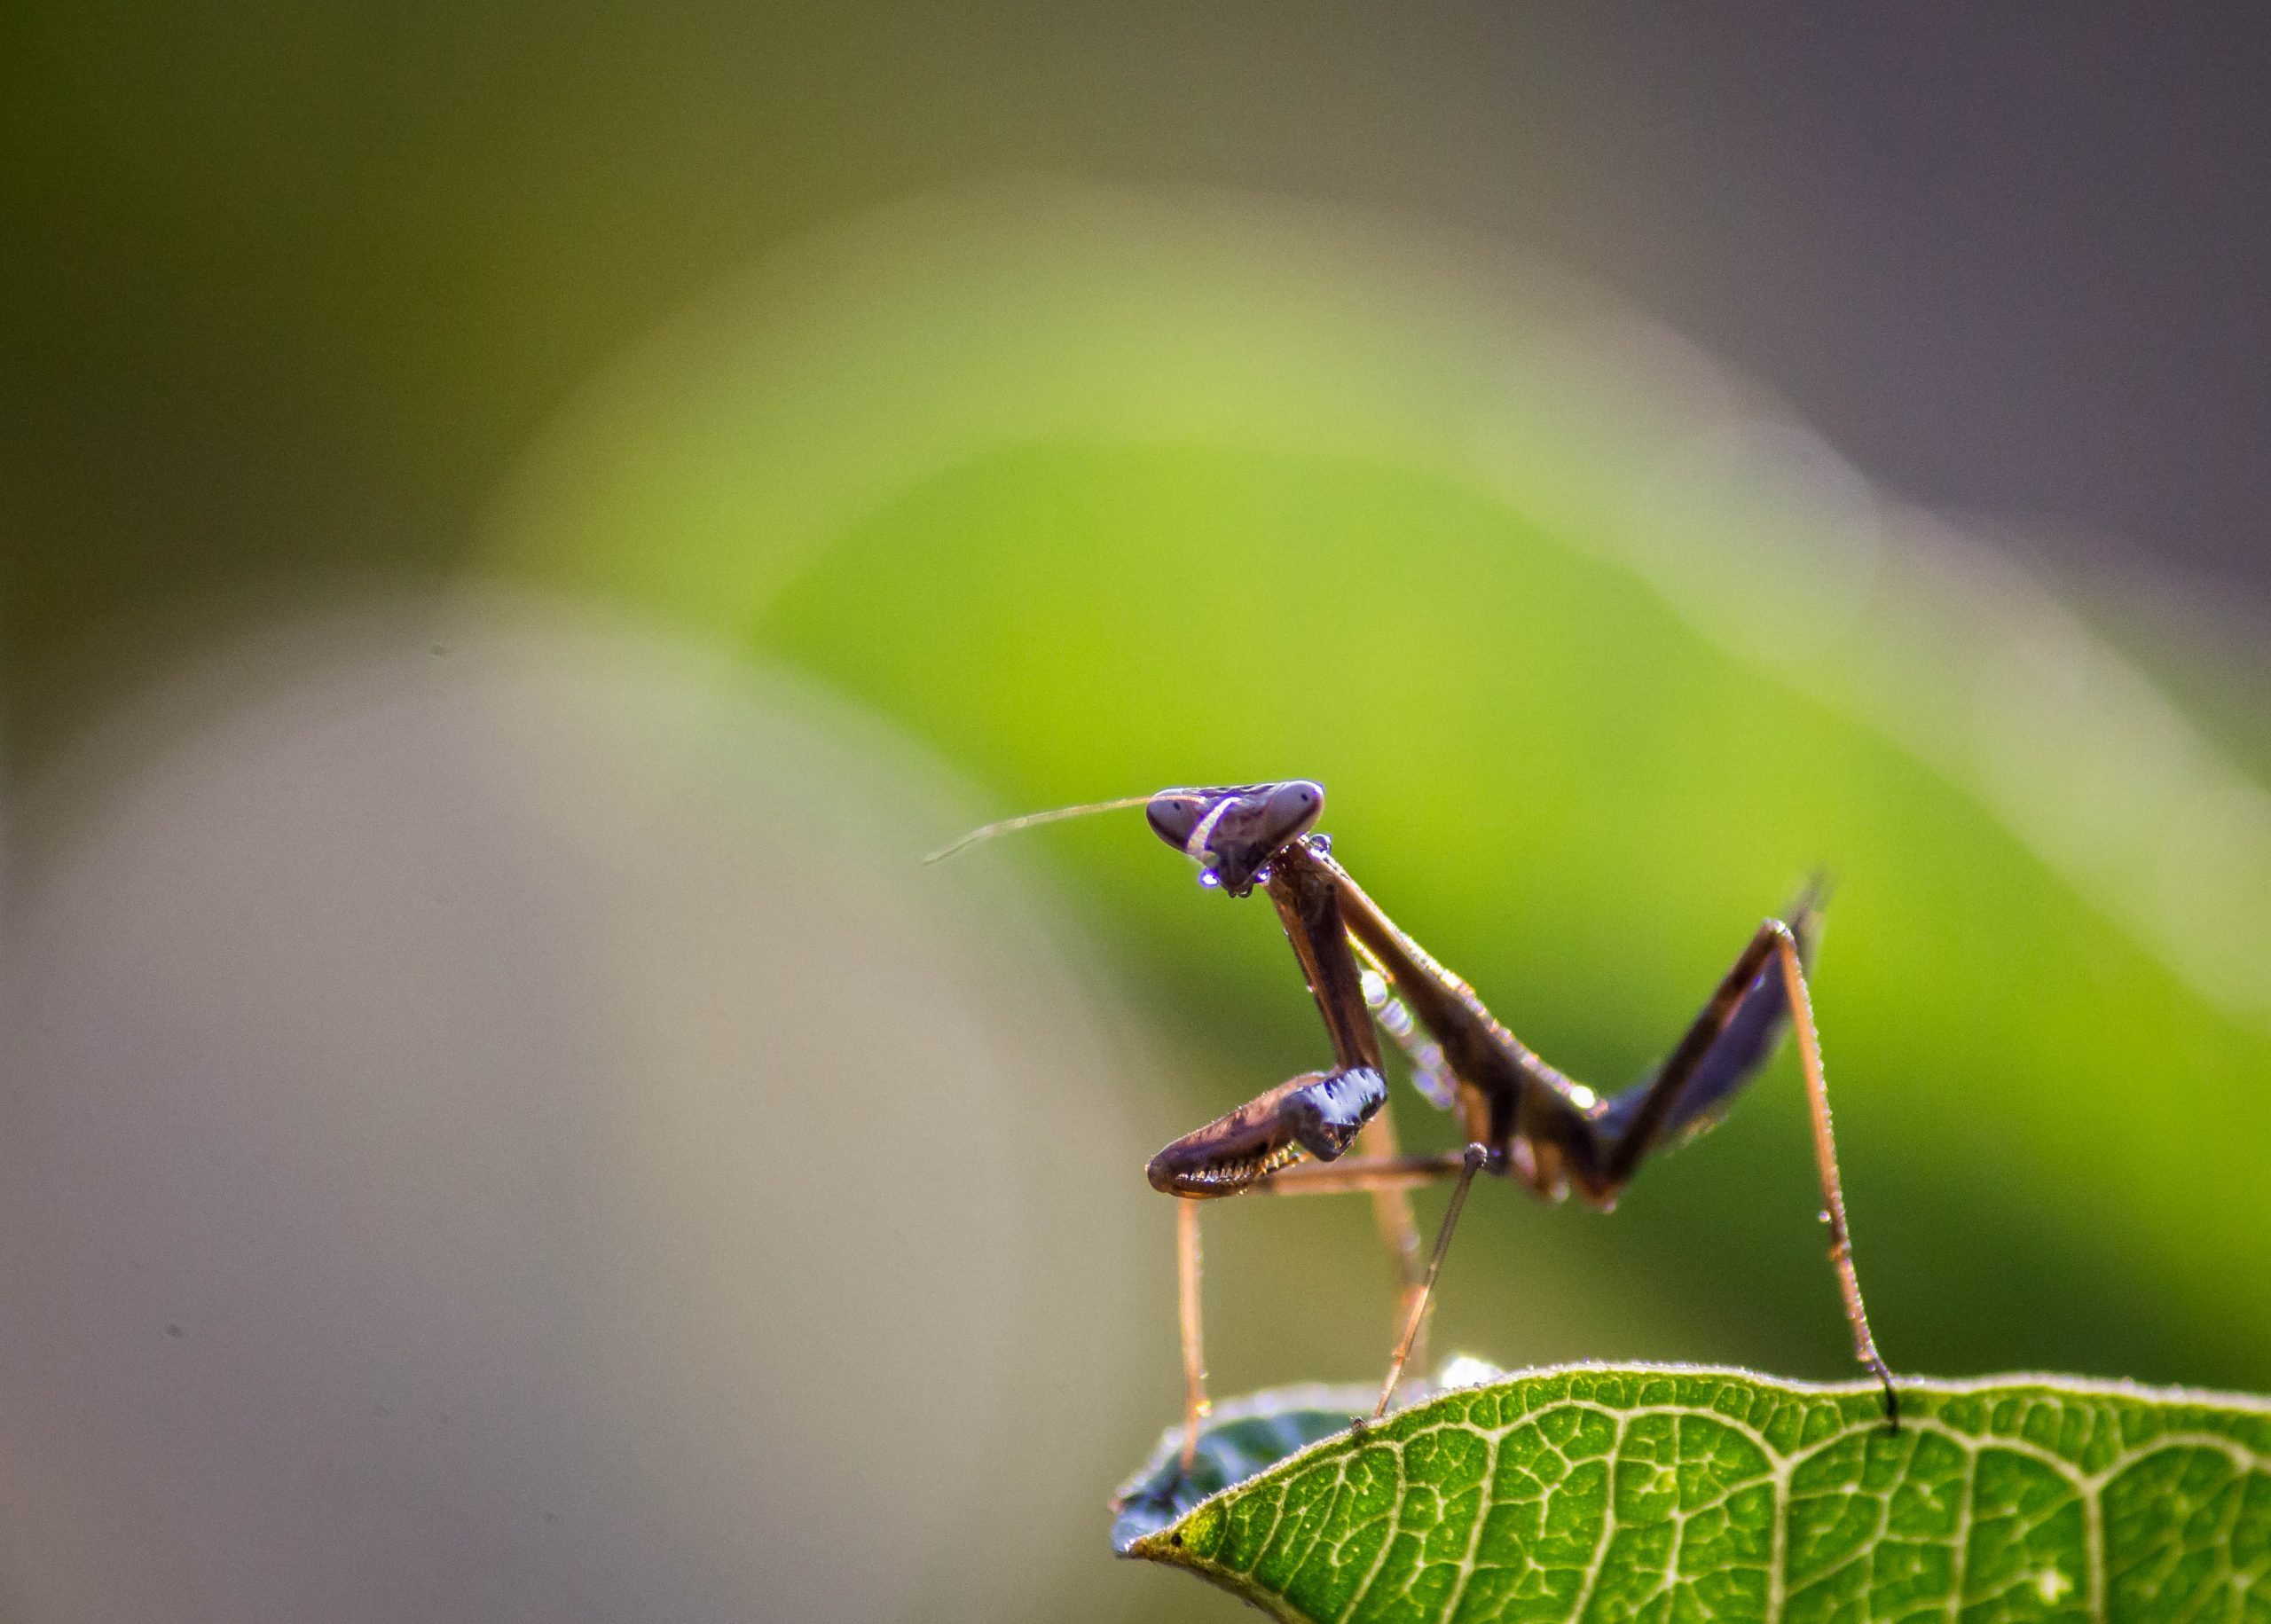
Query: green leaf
point(1679, 1493)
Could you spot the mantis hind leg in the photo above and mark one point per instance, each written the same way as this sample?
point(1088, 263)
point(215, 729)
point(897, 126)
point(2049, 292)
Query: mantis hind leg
point(1721, 1052)
point(1737, 1042)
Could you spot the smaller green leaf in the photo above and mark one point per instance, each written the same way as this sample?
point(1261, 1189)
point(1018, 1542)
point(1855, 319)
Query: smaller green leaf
point(1242, 1439)
point(1673, 1491)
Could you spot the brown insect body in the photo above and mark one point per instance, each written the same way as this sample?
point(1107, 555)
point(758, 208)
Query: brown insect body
point(1523, 1119)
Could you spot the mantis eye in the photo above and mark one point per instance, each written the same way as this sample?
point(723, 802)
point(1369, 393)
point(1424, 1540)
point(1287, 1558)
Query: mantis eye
point(1291, 807)
point(1174, 814)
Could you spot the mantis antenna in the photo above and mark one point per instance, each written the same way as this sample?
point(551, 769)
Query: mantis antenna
point(1009, 826)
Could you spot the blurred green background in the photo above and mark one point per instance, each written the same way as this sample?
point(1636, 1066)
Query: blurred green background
point(956, 415)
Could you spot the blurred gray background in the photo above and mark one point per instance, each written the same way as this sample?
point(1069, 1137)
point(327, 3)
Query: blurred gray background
point(314, 277)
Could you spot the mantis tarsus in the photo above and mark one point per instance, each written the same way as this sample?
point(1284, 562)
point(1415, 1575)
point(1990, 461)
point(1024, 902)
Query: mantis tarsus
point(1523, 1119)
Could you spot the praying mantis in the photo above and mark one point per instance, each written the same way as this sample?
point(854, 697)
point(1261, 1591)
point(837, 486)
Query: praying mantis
point(1522, 1120)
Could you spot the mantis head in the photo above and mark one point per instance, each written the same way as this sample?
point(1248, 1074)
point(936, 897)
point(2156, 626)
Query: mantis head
point(1232, 833)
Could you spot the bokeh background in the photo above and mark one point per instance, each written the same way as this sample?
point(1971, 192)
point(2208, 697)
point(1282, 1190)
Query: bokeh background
point(524, 522)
